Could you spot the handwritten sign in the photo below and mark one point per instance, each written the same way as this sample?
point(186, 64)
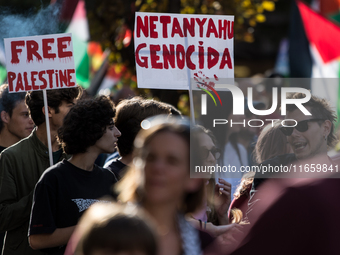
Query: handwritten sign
point(40, 62)
point(172, 49)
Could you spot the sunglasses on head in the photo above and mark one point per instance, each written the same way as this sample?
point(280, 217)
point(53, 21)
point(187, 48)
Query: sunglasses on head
point(214, 151)
point(302, 126)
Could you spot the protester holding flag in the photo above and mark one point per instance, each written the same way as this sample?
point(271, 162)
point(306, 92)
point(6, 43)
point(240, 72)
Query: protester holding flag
point(68, 188)
point(22, 165)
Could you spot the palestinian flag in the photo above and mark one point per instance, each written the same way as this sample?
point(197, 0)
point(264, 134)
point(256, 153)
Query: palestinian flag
point(80, 36)
point(3, 74)
point(324, 40)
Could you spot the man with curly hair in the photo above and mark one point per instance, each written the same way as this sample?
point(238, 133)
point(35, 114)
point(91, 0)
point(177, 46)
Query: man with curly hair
point(68, 188)
point(22, 165)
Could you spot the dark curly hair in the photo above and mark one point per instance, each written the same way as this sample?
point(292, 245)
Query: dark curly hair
point(55, 97)
point(130, 114)
point(86, 123)
point(8, 101)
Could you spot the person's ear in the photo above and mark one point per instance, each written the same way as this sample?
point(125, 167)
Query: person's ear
point(327, 126)
point(5, 118)
point(49, 111)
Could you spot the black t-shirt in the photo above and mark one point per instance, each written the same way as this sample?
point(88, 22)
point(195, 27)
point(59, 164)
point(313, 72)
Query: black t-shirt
point(62, 195)
point(117, 167)
point(2, 148)
point(56, 156)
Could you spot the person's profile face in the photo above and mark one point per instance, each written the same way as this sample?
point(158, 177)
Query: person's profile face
point(207, 149)
point(64, 108)
point(19, 124)
point(108, 142)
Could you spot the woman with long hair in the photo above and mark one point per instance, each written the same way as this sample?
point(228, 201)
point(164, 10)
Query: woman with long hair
point(159, 181)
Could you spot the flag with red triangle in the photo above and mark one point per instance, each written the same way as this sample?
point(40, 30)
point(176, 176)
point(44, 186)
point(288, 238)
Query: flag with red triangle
point(324, 39)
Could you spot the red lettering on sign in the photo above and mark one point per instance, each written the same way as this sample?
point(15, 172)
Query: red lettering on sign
point(153, 32)
point(154, 57)
point(190, 50)
point(33, 79)
point(230, 30)
point(44, 86)
point(226, 59)
point(180, 59)
point(213, 57)
point(57, 78)
point(62, 46)
point(27, 85)
point(19, 85)
point(63, 78)
point(176, 28)
point(200, 24)
point(222, 29)
point(47, 48)
point(200, 55)
point(144, 62)
point(69, 77)
point(50, 77)
point(169, 56)
point(189, 27)
point(142, 26)
point(15, 51)
point(176, 56)
point(165, 20)
point(211, 28)
point(32, 49)
point(11, 77)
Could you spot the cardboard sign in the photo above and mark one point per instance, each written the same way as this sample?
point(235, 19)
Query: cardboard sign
point(173, 49)
point(40, 62)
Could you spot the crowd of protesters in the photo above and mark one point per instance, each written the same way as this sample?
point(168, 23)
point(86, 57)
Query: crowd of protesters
point(142, 199)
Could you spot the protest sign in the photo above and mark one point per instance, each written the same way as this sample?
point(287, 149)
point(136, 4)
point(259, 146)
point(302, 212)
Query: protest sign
point(40, 62)
point(173, 50)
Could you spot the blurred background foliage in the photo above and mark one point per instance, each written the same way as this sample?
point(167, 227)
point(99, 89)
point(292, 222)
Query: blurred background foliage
point(260, 26)
point(110, 21)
